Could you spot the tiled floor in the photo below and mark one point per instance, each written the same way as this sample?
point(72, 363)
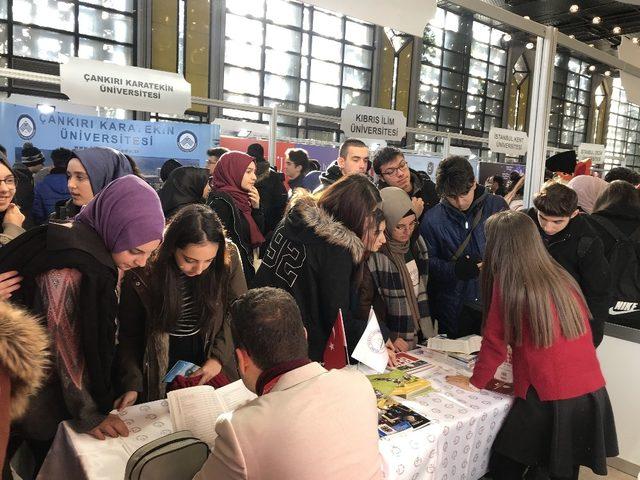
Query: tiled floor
point(586, 474)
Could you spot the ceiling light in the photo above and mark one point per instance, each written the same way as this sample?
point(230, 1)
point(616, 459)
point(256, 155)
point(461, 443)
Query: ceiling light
point(529, 46)
point(617, 30)
point(45, 108)
point(591, 45)
point(635, 40)
point(572, 36)
point(527, 17)
point(607, 73)
point(574, 8)
point(506, 37)
point(592, 68)
point(596, 20)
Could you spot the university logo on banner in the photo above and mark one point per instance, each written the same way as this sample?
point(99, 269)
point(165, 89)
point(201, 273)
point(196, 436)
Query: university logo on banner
point(187, 141)
point(26, 127)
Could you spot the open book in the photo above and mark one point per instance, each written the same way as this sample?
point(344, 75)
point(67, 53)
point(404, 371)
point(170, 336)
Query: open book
point(197, 408)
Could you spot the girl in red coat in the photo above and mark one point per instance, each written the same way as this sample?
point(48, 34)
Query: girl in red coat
point(561, 417)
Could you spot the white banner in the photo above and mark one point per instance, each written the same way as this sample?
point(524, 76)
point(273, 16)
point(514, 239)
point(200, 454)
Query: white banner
point(371, 349)
point(594, 151)
point(370, 122)
point(630, 52)
point(510, 142)
point(91, 82)
point(409, 16)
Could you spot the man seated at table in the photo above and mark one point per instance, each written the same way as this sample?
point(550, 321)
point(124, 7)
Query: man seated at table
point(307, 423)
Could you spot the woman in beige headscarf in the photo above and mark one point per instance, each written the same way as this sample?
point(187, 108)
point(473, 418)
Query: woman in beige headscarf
point(399, 271)
point(588, 189)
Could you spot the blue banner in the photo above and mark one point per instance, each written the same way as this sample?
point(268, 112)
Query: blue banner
point(149, 143)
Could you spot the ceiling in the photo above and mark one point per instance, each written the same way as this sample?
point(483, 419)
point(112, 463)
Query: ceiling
point(556, 13)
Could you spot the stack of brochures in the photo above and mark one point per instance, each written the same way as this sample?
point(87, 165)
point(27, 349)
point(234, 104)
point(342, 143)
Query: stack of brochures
point(393, 417)
point(400, 384)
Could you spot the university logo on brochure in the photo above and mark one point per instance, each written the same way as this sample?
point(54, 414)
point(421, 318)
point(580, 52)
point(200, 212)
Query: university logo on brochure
point(187, 141)
point(26, 127)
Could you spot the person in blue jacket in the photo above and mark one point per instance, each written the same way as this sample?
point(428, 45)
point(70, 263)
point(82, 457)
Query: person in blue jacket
point(454, 233)
point(53, 188)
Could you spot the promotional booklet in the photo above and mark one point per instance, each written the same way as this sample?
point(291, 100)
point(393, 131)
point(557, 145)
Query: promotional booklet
point(400, 384)
point(393, 417)
point(411, 364)
point(180, 368)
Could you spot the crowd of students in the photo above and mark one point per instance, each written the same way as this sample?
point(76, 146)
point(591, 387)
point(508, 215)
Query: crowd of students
point(127, 281)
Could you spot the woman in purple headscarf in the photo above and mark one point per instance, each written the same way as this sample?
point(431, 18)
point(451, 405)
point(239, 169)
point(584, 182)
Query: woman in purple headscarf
point(71, 273)
point(88, 172)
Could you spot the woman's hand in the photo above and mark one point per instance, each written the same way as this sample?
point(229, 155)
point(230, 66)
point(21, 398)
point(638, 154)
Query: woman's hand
point(9, 283)
point(462, 382)
point(13, 215)
point(391, 350)
point(401, 345)
point(112, 426)
point(126, 400)
point(210, 369)
point(254, 197)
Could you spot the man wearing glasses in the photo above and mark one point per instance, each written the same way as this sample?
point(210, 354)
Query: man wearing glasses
point(393, 171)
point(213, 155)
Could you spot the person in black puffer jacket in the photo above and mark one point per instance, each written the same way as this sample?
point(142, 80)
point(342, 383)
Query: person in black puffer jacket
point(270, 185)
point(576, 246)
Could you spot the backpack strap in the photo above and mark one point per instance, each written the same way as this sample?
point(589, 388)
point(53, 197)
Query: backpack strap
point(474, 224)
point(610, 227)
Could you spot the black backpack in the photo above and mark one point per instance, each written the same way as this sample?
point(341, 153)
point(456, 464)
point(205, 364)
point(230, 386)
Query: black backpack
point(624, 261)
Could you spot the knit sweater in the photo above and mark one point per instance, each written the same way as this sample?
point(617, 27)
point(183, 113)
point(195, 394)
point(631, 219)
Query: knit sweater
point(566, 369)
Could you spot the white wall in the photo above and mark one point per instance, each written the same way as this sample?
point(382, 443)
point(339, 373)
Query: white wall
point(620, 361)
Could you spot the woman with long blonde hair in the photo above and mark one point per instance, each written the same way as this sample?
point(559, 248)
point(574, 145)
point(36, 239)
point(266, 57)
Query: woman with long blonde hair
point(562, 417)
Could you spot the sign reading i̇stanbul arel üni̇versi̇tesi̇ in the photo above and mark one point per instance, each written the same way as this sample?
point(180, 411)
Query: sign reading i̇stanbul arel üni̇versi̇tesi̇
point(370, 122)
point(510, 142)
point(91, 82)
point(594, 151)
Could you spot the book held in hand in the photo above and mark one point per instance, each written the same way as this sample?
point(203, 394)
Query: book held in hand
point(197, 408)
point(180, 368)
point(393, 417)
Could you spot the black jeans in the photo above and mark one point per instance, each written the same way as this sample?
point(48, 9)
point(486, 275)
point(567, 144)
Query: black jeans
point(503, 468)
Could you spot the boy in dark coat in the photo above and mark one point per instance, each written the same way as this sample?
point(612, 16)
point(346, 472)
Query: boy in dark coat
point(454, 261)
point(574, 244)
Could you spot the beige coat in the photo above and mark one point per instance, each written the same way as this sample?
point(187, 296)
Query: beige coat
point(313, 425)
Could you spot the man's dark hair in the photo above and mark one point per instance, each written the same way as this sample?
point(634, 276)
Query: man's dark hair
point(384, 156)
point(314, 165)
point(556, 200)
point(217, 152)
point(350, 142)
point(454, 177)
point(3, 150)
point(622, 173)
point(266, 323)
point(256, 151)
point(299, 157)
point(61, 156)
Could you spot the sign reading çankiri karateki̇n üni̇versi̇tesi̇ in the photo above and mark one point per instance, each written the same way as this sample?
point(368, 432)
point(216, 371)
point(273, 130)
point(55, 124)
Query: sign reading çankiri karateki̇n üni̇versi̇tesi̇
point(370, 122)
point(92, 82)
point(510, 142)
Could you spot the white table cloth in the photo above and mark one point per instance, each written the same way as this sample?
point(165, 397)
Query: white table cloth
point(455, 446)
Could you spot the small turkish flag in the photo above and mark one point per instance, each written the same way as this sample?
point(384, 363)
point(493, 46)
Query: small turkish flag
point(335, 353)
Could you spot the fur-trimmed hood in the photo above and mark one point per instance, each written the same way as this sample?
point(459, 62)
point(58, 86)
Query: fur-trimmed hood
point(23, 354)
point(304, 212)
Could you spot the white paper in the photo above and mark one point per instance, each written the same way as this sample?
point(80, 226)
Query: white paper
point(196, 409)
point(466, 345)
point(371, 349)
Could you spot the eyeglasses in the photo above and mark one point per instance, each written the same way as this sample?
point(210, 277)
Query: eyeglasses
point(407, 228)
point(9, 181)
point(394, 171)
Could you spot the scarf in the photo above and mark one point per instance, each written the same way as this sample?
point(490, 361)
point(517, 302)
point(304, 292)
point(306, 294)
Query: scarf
point(227, 178)
point(103, 165)
point(395, 205)
point(268, 378)
point(184, 186)
point(126, 214)
point(588, 189)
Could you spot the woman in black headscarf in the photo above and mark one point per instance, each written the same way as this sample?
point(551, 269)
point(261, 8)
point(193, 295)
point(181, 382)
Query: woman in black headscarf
point(184, 186)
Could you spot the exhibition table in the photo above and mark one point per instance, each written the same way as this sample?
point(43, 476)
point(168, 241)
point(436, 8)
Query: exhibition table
point(454, 446)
